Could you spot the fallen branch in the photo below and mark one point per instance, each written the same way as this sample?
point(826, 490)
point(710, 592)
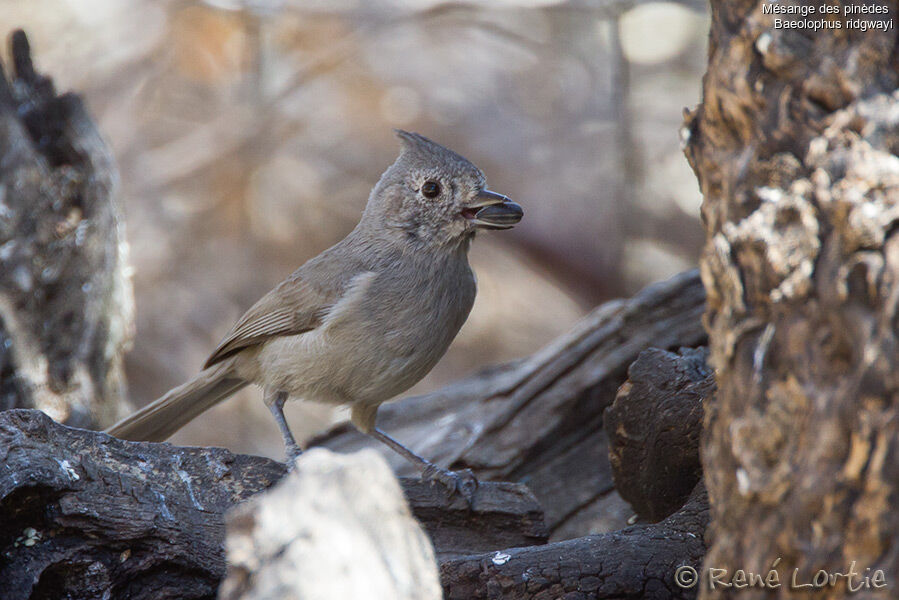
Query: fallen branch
point(638, 562)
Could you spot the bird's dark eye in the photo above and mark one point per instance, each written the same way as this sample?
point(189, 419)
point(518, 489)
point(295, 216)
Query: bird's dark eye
point(430, 189)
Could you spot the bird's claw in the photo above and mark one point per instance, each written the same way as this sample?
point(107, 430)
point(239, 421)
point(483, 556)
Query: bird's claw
point(293, 453)
point(462, 482)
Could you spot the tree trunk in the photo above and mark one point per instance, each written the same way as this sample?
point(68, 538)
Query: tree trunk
point(65, 302)
point(794, 147)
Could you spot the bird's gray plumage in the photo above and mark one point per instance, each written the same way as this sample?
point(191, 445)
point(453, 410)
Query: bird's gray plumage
point(367, 318)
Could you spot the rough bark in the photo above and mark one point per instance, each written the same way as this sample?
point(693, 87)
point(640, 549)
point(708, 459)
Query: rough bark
point(501, 515)
point(539, 421)
point(638, 562)
point(654, 427)
point(794, 146)
point(65, 303)
point(87, 514)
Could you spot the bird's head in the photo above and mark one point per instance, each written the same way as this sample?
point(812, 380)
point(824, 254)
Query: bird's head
point(432, 196)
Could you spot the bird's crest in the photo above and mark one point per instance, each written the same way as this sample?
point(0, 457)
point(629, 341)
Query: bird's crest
point(431, 152)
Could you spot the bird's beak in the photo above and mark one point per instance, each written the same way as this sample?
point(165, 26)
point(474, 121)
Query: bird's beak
point(492, 211)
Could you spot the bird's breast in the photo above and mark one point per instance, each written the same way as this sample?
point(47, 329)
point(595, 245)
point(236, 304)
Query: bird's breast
point(386, 333)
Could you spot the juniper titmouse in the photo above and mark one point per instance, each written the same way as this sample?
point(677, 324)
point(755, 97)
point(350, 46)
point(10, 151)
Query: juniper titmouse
point(364, 320)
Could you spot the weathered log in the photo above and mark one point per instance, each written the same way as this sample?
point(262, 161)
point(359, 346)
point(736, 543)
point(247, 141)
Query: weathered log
point(88, 514)
point(65, 302)
point(501, 515)
point(795, 147)
point(638, 562)
point(654, 427)
point(539, 421)
point(336, 527)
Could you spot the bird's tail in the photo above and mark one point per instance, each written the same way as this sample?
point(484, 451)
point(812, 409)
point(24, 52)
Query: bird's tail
point(163, 417)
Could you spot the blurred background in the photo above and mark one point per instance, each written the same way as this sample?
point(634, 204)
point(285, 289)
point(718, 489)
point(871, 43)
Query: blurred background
point(248, 135)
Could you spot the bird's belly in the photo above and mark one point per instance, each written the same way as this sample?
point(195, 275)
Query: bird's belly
point(377, 342)
point(336, 368)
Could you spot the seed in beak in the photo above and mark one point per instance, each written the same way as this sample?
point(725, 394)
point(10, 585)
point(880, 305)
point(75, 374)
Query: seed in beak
point(501, 215)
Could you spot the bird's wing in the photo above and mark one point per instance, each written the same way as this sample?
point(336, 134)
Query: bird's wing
point(292, 308)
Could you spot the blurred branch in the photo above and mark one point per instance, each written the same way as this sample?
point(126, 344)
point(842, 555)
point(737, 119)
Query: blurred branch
point(183, 158)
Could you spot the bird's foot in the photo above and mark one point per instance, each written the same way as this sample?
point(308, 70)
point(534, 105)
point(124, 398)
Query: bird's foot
point(463, 482)
point(293, 453)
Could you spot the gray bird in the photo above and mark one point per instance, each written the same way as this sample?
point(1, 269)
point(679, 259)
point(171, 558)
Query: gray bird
point(364, 320)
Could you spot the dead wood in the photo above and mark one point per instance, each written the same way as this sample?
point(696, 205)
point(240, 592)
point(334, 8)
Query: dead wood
point(86, 513)
point(638, 562)
point(65, 302)
point(337, 526)
point(654, 427)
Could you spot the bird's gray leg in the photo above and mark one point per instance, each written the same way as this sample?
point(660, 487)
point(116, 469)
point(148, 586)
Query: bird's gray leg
point(275, 400)
point(463, 482)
